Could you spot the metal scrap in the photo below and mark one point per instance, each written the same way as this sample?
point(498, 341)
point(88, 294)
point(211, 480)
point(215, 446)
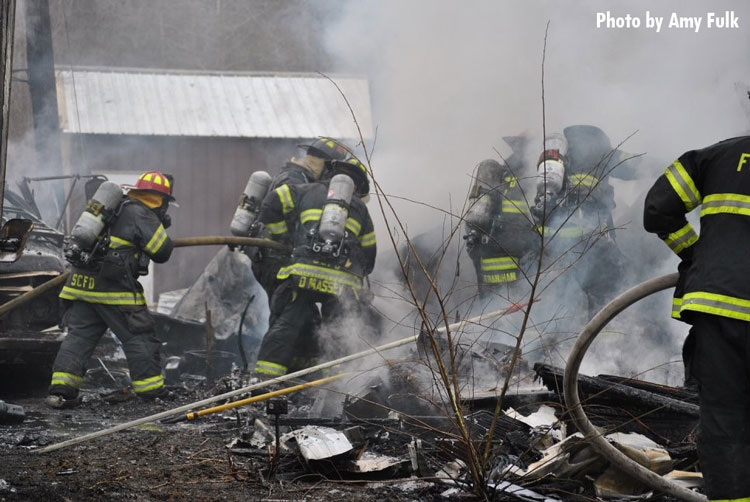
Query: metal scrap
point(318, 443)
point(373, 462)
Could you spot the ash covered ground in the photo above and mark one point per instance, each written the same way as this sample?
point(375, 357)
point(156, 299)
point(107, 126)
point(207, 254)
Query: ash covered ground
point(164, 461)
point(393, 447)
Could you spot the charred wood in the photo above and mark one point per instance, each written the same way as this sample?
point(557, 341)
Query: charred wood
point(617, 393)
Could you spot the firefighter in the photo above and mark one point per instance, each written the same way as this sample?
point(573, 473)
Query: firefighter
point(499, 230)
point(105, 293)
point(713, 295)
point(334, 248)
point(573, 208)
point(319, 154)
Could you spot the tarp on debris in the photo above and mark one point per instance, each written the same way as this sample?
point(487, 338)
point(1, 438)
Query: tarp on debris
point(226, 287)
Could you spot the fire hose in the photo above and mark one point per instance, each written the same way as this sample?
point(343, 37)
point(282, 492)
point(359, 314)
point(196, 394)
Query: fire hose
point(587, 336)
point(178, 243)
point(256, 399)
point(290, 376)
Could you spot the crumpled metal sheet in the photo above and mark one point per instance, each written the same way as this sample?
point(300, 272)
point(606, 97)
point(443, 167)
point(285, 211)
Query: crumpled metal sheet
point(567, 459)
point(318, 443)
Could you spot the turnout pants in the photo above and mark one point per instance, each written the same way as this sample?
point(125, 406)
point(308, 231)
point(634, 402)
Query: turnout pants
point(721, 366)
point(86, 323)
point(497, 273)
point(291, 342)
point(295, 339)
point(265, 265)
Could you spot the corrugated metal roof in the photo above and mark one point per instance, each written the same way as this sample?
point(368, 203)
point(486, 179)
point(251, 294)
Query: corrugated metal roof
point(95, 101)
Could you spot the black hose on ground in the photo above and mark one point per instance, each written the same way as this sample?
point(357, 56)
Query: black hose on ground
point(243, 356)
point(587, 336)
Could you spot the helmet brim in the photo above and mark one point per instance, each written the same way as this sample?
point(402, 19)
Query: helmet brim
point(170, 198)
point(316, 151)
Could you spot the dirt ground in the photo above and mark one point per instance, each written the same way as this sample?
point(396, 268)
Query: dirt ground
point(211, 458)
point(183, 461)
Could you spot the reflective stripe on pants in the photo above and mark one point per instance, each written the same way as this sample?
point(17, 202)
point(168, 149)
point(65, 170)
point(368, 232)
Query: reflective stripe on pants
point(87, 322)
point(148, 384)
point(67, 379)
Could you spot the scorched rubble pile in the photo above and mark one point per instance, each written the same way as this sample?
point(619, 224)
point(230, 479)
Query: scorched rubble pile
point(387, 442)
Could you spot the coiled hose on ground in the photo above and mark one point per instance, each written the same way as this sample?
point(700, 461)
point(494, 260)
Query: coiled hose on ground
point(587, 336)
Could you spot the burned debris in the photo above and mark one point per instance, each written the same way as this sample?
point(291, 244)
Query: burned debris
point(29, 336)
point(386, 437)
point(389, 432)
point(422, 422)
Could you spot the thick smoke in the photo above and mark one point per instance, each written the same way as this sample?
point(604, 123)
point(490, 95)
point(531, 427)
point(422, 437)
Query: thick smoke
point(449, 81)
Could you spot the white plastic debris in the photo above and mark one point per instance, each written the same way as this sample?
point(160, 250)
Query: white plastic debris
point(451, 471)
point(372, 462)
point(451, 492)
point(410, 485)
point(522, 493)
point(544, 416)
point(548, 427)
point(633, 439)
point(262, 435)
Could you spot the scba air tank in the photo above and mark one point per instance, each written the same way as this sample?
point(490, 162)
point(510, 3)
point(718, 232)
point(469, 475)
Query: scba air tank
point(336, 211)
point(96, 215)
point(551, 166)
point(249, 206)
point(550, 177)
point(480, 212)
point(488, 179)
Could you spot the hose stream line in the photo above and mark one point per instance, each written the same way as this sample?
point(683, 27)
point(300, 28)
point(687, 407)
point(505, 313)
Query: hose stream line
point(260, 385)
point(595, 437)
point(178, 243)
point(263, 397)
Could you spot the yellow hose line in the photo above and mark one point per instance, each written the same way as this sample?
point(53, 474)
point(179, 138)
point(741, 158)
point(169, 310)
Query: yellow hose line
point(263, 397)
